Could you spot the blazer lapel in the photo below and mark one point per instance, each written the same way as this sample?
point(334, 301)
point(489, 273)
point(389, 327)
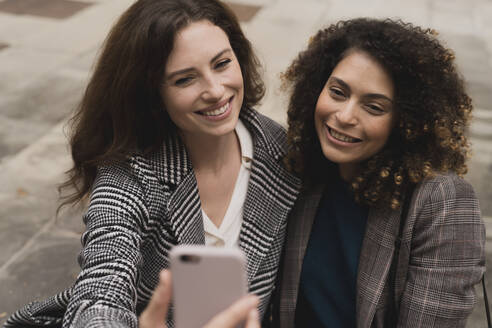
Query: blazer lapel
point(272, 191)
point(185, 212)
point(298, 232)
point(175, 173)
point(265, 209)
point(375, 260)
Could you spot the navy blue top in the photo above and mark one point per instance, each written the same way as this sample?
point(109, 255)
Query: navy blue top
point(327, 288)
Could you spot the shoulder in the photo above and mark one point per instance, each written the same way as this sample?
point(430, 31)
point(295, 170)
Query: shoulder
point(273, 129)
point(445, 199)
point(270, 125)
point(121, 173)
point(445, 186)
point(114, 174)
point(124, 181)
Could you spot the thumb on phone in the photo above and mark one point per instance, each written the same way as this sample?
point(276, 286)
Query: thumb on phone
point(243, 310)
point(154, 315)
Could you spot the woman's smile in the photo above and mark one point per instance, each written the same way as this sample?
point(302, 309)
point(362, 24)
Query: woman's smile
point(341, 138)
point(217, 112)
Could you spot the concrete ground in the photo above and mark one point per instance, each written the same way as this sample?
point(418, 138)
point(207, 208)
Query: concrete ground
point(47, 51)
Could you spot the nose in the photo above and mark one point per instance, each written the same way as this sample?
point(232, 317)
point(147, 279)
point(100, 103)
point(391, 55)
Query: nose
point(213, 89)
point(347, 113)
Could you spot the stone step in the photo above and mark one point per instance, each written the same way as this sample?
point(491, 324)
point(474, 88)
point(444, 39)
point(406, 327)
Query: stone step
point(481, 127)
point(482, 114)
point(481, 130)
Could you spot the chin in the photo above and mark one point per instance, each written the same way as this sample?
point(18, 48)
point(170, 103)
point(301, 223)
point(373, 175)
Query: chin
point(223, 130)
point(339, 158)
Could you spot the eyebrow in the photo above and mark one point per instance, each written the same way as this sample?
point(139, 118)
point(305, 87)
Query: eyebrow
point(368, 95)
point(190, 69)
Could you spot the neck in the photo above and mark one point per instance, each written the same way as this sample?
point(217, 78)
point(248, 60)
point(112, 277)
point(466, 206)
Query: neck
point(212, 153)
point(347, 171)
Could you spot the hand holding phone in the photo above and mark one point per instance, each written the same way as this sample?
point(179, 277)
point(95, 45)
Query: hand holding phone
point(206, 281)
point(245, 309)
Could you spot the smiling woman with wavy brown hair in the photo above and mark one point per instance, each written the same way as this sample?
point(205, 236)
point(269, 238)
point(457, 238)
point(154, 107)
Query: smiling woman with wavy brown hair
point(386, 233)
point(168, 149)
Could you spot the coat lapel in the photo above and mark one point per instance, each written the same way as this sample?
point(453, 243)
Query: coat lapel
point(175, 173)
point(298, 232)
point(185, 212)
point(374, 263)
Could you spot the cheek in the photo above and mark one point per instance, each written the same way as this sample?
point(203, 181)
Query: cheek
point(179, 100)
point(323, 105)
point(175, 110)
point(320, 117)
point(381, 130)
point(236, 77)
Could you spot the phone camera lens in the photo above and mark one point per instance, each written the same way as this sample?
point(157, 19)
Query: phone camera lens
point(190, 258)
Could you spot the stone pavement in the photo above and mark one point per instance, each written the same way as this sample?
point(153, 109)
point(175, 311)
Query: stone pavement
point(47, 50)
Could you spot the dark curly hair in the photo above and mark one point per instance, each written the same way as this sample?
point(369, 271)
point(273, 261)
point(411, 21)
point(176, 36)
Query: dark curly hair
point(122, 110)
point(432, 107)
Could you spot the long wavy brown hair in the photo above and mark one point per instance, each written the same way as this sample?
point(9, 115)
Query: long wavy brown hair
point(122, 111)
point(432, 106)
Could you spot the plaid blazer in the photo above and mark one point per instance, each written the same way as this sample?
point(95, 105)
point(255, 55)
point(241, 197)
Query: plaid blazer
point(441, 258)
point(140, 209)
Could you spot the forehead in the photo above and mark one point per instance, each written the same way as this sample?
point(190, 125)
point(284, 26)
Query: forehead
point(196, 44)
point(359, 69)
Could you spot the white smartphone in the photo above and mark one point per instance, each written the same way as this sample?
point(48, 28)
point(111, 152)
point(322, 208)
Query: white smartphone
point(205, 281)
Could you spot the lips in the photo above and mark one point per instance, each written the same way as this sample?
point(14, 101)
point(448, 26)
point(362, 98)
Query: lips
point(216, 110)
point(342, 137)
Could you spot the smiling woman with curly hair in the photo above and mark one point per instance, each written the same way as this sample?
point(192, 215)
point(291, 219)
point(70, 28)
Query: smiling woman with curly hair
point(386, 232)
point(432, 106)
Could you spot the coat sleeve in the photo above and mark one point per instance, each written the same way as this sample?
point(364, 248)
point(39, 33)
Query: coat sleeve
point(447, 256)
point(104, 294)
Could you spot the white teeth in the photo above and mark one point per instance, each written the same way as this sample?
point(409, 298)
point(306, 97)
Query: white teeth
point(217, 112)
point(342, 137)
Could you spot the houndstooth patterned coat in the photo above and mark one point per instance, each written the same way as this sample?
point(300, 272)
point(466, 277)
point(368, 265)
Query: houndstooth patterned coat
point(140, 209)
point(442, 257)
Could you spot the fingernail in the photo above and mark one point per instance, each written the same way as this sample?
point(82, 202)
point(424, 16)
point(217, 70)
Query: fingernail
point(163, 275)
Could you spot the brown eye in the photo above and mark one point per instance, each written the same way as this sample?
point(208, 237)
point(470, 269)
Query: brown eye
point(375, 109)
point(183, 81)
point(223, 63)
point(337, 93)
